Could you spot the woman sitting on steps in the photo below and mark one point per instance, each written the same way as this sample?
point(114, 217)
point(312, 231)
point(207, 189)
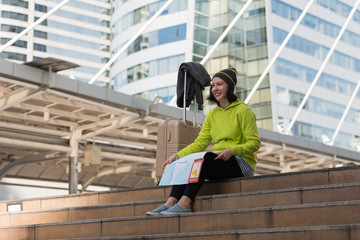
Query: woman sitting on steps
point(231, 125)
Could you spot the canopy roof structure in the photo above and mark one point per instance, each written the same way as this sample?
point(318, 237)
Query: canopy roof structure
point(48, 124)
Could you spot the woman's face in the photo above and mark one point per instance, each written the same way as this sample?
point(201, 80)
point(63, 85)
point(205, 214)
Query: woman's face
point(219, 88)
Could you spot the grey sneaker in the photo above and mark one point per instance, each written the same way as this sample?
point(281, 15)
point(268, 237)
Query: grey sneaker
point(176, 209)
point(157, 211)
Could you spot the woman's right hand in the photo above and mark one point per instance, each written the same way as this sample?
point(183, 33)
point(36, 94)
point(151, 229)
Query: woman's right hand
point(170, 160)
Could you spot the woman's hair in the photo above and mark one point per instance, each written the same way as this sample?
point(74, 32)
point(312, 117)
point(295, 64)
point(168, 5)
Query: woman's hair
point(229, 77)
point(230, 95)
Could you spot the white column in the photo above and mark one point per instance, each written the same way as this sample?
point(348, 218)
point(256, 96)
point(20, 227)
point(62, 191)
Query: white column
point(73, 161)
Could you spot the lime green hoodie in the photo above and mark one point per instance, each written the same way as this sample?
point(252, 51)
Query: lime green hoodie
point(233, 127)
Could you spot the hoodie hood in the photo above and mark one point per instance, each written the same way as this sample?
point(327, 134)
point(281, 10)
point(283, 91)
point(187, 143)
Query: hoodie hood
point(233, 104)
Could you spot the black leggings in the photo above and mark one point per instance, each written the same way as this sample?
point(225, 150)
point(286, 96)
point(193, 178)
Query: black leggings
point(212, 170)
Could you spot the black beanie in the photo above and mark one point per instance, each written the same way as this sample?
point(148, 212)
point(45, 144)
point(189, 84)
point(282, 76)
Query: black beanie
point(229, 76)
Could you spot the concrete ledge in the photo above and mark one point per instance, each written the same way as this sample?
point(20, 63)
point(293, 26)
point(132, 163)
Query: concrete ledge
point(317, 214)
point(274, 198)
point(309, 232)
point(236, 185)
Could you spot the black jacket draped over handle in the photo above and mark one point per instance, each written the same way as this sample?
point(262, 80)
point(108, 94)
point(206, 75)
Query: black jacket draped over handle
point(197, 79)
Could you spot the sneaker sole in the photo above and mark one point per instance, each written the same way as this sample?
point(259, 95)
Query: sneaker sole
point(173, 213)
point(152, 213)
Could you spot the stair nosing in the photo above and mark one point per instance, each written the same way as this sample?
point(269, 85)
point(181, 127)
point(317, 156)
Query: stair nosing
point(238, 232)
point(205, 197)
point(214, 181)
point(245, 210)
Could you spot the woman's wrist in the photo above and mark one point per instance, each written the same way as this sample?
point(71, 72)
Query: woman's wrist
point(174, 157)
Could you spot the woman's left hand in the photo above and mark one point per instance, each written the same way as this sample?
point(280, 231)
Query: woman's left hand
point(224, 155)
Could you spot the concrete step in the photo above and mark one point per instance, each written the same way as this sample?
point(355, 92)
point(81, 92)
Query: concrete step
point(251, 184)
point(328, 232)
point(278, 197)
point(299, 215)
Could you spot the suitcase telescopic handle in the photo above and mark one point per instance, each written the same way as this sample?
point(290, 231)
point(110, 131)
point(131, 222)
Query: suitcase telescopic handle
point(168, 136)
point(184, 103)
point(184, 100)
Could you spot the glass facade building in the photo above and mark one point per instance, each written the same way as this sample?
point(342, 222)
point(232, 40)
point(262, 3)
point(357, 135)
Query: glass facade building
point(245, 48)
point(188, 29)
point(149, 66)
point(79, 32)
point(299, 64)
point(89, 32)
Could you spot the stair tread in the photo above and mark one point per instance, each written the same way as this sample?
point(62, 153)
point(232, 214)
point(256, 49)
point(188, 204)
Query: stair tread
point(251, 179)
point(239, 194)
point(193, 214)
point(318, 200)
point(227, 232)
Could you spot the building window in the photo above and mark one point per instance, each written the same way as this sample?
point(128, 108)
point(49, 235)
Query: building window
point(339, 7)
point(13, 15)
point(155, 38)
point(144, 13)
point(74, 16)
point(167, 35)
point(39, 47)
point(75, 29)
point(40, 34)
point(303, 73)
point(148, 69)
point(13, 56)
point(70, 40)
point(316, 105)
point(315, 133)
point(18, 3)
point(166, 94)
point(282, 9)
point(11, 28)
point(69, 53)
point(315, 50)
point(256, 37)
point(41, 8)
point(18, 43)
